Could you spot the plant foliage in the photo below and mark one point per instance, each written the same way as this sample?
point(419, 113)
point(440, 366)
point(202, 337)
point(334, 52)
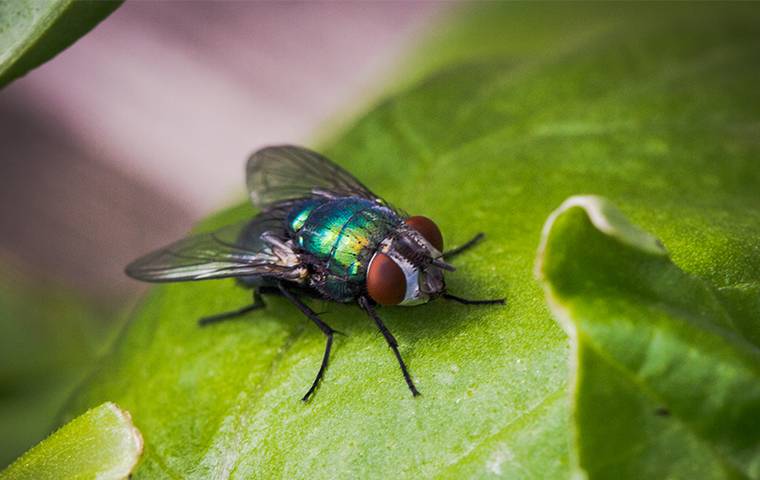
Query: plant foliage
point(511, 110)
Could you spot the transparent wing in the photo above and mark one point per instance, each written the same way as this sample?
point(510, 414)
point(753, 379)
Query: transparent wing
point(286, 172)
point(251, 248)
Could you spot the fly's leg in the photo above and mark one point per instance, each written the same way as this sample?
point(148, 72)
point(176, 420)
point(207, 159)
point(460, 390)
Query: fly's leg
point(326, 329)
point(453, 253)
point(466, 246)
point(465, 301)
point(367, 307)
point(258, 302)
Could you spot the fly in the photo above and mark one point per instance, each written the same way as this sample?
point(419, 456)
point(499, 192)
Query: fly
point(321, 233)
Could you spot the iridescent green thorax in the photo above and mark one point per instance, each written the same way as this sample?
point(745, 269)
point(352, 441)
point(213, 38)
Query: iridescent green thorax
point(344, 233)
point(300, 214)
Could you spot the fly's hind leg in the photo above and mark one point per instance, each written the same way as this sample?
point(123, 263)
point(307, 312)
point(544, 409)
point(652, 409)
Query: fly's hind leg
point(258, 302)
point(449, 254)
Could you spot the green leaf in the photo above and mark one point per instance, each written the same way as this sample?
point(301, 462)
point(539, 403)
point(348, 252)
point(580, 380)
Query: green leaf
point(225, 400)
point(665, 383)
point(34, 31)
point(50, 337)
point(102, 443)
point(519, 106)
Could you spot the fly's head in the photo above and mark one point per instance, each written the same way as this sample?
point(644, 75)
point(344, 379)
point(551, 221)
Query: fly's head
point(407, 268)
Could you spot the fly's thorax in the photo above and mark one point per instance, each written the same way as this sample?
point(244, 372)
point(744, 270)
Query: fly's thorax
point(340, 230)
point(340, 236)
point(413, 255)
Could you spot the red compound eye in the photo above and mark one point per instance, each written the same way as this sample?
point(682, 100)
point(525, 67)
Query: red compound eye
point(386, 283)
point(427, 229)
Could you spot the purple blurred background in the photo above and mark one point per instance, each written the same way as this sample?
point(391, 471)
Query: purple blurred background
point(123, 141)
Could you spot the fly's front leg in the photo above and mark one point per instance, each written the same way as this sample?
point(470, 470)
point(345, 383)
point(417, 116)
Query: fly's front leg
point(367, 307)
point(449, 254)
point(466, 301)
point(258, 302)
point(326, 329)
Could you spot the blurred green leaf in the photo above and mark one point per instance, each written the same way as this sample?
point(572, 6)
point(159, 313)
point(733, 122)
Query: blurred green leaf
point(666, 385)
point(102, 443)
point(34, 31)
point(654, 107)
point(50, 337)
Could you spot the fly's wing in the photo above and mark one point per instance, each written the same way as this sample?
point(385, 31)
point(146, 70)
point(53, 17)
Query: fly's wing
point(285, 173)
point(246, 249)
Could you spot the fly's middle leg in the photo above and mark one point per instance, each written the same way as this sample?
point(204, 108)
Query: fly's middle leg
point(326, 329)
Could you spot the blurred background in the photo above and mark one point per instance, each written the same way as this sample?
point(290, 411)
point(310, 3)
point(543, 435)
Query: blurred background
point(126, 139)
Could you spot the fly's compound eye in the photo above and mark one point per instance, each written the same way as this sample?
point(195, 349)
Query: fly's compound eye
point(428, 229)
point(386, 283)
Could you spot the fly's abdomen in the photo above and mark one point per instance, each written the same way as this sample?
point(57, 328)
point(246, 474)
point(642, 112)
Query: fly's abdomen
point(343, 234)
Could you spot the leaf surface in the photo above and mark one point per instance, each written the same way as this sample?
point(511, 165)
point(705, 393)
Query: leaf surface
point(516, 108)
point(665, 384)
point(102, 443)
